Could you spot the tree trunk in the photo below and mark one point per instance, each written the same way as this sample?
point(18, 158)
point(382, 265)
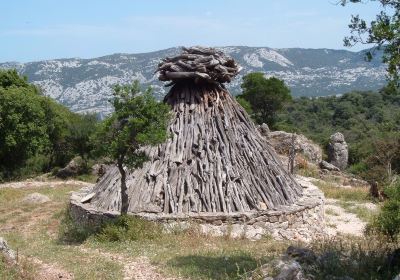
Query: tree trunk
point(124, 189)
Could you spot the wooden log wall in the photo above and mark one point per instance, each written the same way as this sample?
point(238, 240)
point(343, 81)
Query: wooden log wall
point(214, 161)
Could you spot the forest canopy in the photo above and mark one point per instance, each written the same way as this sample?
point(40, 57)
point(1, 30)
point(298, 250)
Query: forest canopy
point(368, 120)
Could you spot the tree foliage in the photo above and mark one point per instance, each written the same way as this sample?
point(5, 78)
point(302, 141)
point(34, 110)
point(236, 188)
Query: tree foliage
point(11, 78)
point(23, 129)
point(370, 122)
point(383, 32)
point(36, 133)
point(265, 96)
point(138, 120)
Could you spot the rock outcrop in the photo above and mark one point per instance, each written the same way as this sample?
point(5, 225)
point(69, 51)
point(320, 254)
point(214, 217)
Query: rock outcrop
point(36, 198)
point(338, 153)
point(264, 129)
point(75, 167)
point(328, 166)
point(282, 142)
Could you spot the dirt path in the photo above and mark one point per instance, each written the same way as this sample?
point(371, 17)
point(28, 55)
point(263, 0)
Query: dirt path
point(138, 268)
point(340, 221)
point(38, 184)
point(48, 271)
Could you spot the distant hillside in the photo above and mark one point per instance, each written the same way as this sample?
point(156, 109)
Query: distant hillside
point(85, 84)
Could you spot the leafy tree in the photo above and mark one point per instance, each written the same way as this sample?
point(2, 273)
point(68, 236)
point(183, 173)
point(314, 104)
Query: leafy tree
point(266, 96)
point(384, 160)
point(22, 128)
point(36, 133)
point(138, 120)
point(245, 104)
point(11, 78)
point(80, 130)
point(384, 32)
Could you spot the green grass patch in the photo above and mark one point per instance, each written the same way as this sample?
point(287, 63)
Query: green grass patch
point(128, 228)
point(213, 265)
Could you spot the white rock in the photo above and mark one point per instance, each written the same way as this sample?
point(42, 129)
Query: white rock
point(5, 250)
point(36, 198)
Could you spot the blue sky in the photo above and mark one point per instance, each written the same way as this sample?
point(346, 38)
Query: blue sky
point(44, 29)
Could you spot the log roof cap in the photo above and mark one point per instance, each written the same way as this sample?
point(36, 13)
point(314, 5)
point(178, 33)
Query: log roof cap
point(198, 63)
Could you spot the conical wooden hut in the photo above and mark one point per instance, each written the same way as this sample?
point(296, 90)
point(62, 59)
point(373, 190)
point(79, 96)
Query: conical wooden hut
point(215, 160)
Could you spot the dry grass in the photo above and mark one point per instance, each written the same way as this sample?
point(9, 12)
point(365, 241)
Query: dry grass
point(330, 190)
point(33, 229)
point(23, 271)
point(307, 170)
point(368, 257)
point(189, 254)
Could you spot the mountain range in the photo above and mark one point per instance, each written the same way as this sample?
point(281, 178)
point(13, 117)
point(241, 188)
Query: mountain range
point(85, 85)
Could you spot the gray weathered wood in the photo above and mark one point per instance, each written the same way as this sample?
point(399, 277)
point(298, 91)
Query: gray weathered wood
point(215, 159)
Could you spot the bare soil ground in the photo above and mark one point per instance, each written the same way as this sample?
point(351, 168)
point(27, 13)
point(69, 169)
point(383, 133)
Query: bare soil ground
point(342, 221)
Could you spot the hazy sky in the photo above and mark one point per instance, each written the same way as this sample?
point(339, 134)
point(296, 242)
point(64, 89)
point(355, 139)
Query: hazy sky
point(45, 29)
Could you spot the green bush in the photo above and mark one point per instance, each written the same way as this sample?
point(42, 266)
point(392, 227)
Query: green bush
point(34, 166)
point(70, 232)
point(388, 220)
point(358, 168)
point(128, 228)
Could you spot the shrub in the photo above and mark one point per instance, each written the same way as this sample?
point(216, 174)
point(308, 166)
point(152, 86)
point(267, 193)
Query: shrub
point(128, 228)
point(388, 220)
point(358, 168)
point(70, 232)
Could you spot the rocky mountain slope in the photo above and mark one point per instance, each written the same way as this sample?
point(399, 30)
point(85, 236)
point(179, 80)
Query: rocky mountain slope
point(84, 85)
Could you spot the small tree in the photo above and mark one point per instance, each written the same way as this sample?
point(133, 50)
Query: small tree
point(266, 96)
point(383, 32)
point(138, 120)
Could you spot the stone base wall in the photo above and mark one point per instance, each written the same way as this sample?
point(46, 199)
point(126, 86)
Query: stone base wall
point(303, 220)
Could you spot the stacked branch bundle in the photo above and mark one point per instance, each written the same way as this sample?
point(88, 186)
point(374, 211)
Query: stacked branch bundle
point(215, 160)
point(198, 63)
